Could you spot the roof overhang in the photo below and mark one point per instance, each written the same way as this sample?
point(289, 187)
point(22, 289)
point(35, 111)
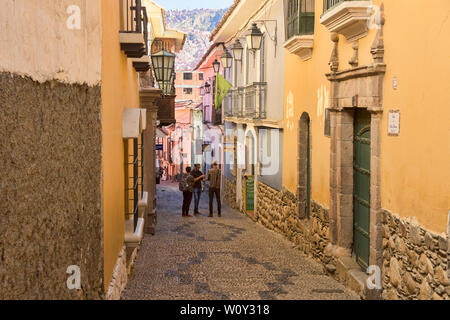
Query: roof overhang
point(214, 52)
point(237, 21)
point(157, 18)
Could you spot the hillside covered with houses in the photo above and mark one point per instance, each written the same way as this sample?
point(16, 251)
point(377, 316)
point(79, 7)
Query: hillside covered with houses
point(197, 24)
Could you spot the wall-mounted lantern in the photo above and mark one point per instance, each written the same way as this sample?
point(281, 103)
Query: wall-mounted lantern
point(254, 38)
point(227, 59)
point(237, 50)
point(163, 63)
point(207, 88)
point(216, 66)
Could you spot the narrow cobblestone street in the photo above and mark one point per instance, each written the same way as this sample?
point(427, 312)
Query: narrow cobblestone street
point(230, 257)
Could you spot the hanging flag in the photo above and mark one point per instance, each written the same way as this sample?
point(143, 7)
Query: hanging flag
point(222, 88)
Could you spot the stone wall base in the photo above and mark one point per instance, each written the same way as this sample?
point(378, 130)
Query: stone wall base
point(150, 222)
point(120, 277)
point(131, 257)
point(278, 211)
point(229, 196)
point(415, 261)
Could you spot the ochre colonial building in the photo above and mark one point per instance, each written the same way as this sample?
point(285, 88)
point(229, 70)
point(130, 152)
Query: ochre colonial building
point(76, 102)
point(365, 104)
point(365, 167)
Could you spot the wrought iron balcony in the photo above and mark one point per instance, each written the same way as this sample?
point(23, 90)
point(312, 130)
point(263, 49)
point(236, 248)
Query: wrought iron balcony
point(134, 33)
point(217, 116)
point(255, 100)
point(237, 102)
point(166, 110)
point(228, 104)
point(330, 4)
point(247, 102)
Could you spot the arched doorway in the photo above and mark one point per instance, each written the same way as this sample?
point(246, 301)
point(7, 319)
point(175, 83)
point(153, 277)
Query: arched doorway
point(304, 167)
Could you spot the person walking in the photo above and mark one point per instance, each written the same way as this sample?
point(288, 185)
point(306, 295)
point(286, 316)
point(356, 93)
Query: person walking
point(197, 174)
point(186, 186)
point(214, 188)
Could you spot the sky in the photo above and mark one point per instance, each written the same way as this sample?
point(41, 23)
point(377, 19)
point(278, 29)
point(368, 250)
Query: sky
point(194, 4)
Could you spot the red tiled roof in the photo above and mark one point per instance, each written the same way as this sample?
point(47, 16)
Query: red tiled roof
point(205, 55)
point(224, 19)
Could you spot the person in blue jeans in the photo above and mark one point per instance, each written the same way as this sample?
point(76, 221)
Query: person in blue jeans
point(196, 173)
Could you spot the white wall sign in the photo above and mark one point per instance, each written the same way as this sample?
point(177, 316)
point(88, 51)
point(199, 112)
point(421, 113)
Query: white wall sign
point(394, 122)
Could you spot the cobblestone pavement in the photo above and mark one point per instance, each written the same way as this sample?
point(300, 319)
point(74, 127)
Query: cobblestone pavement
point(224, 258)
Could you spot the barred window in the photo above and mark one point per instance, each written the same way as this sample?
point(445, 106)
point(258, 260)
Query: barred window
point(134, 176)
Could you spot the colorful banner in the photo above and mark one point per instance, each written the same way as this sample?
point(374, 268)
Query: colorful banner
point(222, 88)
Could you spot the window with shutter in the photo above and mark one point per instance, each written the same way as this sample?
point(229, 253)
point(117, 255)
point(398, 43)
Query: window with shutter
point(300, 18)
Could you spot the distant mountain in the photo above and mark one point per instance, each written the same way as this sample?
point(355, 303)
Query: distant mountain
point(197, 24)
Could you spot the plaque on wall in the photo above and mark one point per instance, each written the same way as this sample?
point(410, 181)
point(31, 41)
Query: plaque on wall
point(394, 122)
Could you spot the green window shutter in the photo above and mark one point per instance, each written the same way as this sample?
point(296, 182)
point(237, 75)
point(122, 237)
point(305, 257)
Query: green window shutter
point(300, 18)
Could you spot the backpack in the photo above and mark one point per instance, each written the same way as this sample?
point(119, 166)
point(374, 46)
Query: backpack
point(183, 185)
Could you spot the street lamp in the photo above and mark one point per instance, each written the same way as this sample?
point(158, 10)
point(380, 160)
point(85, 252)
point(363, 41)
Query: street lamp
point(237, 50)
point(167, 85)
point(207, 88)
point(227, 59)
point(254, 38)
point(216, 66)
point(163, 65)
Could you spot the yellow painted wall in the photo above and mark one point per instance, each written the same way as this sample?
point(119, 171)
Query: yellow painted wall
point(119, 90)
point(415, 166)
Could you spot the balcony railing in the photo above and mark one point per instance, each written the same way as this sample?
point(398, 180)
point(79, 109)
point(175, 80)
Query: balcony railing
point(216, 116)
point(166, 110)
point(255, 100)
point(135, 21)
point(300, 18)
point(228, 104)
point(237, 102)
point(248, 102)
point(329, 4)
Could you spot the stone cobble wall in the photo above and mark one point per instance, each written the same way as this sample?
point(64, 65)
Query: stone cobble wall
point(415, 261)
point(50, 189)
point(229, 196)
point(119, 278)
point(278, 211)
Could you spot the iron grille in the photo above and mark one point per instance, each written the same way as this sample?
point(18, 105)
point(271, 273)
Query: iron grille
point(329, 4)
point(255, 100)
point(134, 176)
point(136, 20)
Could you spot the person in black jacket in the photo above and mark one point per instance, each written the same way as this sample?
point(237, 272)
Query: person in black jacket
point(197, 174)
point(189, 182)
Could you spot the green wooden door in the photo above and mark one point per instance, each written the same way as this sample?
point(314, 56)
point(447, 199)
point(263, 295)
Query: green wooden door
point(361, 189)
point(249, 194)
point(308, 172)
